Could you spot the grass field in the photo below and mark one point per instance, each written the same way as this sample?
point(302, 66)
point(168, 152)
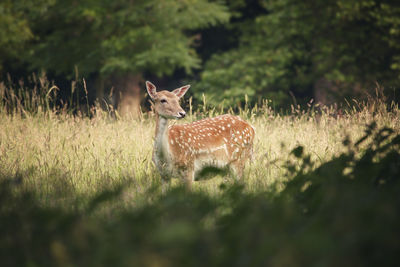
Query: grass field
point(78, 190)
point(57, 153)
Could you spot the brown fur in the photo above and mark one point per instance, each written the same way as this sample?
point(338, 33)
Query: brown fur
point(185, 149)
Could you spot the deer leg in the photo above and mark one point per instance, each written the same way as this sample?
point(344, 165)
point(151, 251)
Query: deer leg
point(237, 170)
point(189, 178)
point(165, 185)
point(165, 179)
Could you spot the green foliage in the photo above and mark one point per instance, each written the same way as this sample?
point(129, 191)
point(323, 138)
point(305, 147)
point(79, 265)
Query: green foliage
point(292, 45)
point(263, 49)
point(14, 29)
point(118, 36)
point(344, 212)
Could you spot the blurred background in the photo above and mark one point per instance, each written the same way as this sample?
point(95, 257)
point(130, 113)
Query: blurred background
point(288, 51)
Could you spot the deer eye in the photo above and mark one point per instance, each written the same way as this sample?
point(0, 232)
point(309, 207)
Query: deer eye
point(163, 101)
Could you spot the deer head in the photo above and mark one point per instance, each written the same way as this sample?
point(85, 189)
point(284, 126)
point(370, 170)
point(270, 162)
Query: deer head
point(166, 104)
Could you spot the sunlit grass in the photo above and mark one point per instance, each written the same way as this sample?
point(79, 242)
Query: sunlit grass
point(57, 153)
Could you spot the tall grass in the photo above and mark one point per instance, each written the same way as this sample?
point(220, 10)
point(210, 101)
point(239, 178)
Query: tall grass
point(58, 151)
point(343, 212)
point(78, 188)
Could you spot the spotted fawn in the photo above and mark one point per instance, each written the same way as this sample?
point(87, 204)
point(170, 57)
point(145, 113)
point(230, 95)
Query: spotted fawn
point(185, 150)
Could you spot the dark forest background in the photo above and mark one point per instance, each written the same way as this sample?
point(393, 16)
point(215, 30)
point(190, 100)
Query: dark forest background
point(277, 49)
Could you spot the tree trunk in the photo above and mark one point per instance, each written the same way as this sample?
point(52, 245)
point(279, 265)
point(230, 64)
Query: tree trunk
point(127, 94)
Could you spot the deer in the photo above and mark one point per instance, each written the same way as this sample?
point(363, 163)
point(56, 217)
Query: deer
point(184, 150)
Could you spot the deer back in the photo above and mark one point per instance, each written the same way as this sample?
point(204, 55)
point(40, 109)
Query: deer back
point(224, 138)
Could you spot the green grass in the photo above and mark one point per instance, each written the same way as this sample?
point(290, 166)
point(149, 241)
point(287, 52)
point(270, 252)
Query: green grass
point(58, 153)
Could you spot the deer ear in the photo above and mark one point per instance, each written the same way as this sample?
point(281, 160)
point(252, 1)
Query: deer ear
point(151, 89)
point(181, 90)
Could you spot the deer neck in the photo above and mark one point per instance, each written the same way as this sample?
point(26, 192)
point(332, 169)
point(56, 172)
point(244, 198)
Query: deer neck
point(161, 145)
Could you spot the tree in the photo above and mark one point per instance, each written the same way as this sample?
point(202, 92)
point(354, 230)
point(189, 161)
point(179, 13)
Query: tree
point(307, 46)
point(121, 39)
point(14, 31)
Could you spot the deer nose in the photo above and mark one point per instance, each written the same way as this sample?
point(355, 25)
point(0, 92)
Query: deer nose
point(182, 114)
